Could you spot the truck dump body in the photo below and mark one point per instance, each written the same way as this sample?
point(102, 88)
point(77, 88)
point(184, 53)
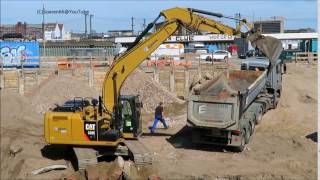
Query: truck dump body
point(232, 82)
point(219, 102)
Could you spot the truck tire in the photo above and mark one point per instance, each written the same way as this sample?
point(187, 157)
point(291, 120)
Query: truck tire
point(252, 127)
point(242, 140)
point(276, 99)
point(225, 59)
point(247, 134)
point(208, 58)
point(195, 137)
point(258, 115)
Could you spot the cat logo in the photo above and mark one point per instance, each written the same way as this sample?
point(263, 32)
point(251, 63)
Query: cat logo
point(90, 127)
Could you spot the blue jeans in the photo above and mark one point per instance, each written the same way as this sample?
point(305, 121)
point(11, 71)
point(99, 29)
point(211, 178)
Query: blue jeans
point(155, 122)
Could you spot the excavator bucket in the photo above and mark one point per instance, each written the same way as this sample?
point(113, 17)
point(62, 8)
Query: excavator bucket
point(270, 46)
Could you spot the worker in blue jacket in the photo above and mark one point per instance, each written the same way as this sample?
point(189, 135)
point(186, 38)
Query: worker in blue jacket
point(158, 117)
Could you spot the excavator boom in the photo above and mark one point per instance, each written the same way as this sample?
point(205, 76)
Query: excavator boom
point(140, 50)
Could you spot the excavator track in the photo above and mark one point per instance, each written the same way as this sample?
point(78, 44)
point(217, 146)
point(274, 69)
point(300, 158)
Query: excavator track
point(139, 152)
point(85, 157)
point(88, 156)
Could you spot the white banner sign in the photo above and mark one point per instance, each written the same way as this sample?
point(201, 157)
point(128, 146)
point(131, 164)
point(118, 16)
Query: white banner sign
point(200, 38)
point(189, 38)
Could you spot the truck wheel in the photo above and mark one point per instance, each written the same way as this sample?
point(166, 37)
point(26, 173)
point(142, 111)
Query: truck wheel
point(208, 58)
point(195, 137)
point(247, 135)
point(252, 127)
point(243, 142)
point(258, 116)
point(225, 59)
point(276, 100)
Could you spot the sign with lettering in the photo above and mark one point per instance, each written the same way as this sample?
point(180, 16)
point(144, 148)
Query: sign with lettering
point(90, 130)
point(189, 38)
point(199, 38)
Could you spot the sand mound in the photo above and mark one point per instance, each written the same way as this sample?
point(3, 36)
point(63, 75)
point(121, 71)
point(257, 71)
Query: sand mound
point(21, 128)
point(58, 90)
point(16, 112)
point(22, 119)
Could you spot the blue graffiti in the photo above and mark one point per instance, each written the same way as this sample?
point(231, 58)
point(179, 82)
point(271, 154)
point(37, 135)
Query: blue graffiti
point(17, 54)
point(13, 55)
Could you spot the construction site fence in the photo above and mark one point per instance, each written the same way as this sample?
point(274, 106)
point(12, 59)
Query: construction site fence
point(305, 57)
point(175, 77)
point(68, 51)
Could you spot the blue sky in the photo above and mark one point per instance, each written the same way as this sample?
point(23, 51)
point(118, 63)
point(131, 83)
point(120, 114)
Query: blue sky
point(111, 15)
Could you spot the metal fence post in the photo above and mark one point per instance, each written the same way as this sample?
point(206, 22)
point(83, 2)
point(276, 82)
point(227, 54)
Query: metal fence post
point(199, 67)
point(172, 77)
point(91, 74)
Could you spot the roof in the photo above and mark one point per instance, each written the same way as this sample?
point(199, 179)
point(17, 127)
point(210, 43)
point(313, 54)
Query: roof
point(7, 25)
point(291, 36)
point(60, 26)
point(50, 26)
point(34, 25)
point(120, 31)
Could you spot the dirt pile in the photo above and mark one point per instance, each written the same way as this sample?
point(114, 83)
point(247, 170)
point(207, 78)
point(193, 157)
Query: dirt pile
point(58, 90)
point(151, 92)
point(22, 139)
point(62, 88)
point(23, 148)
point(17, 112)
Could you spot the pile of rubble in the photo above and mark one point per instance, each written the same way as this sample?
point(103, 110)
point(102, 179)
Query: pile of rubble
point(150, 91)
point(119, 169)
point(59, 89)
point(200, 82)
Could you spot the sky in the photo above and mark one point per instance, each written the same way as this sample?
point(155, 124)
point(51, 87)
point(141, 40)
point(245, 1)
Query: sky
point(114, 15)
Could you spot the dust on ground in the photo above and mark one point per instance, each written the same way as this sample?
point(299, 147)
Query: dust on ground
point(279, 149)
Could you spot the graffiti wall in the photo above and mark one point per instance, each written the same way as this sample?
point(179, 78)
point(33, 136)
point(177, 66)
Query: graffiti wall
point(19, 54)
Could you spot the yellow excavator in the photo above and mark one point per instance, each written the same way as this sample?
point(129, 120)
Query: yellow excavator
point(113, 121)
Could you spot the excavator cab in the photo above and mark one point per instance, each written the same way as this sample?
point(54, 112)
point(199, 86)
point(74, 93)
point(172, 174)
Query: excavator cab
point(126, 121)
point(130, 121)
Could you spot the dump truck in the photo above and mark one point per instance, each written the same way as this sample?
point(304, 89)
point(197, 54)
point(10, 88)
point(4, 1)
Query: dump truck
point(224, 110)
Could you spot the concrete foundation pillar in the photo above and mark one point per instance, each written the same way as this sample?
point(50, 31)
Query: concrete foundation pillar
point(156, 74)
point(37, 76)
point(199, 70)
point(2, 81)
point(186, 82)
point(20, 83)
point(91, 77)
point(172, 79)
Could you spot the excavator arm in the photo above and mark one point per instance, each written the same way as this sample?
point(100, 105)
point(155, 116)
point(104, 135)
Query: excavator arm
point(141, 49)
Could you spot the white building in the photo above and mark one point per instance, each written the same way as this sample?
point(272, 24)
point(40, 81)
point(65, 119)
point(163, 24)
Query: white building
point(54, 31)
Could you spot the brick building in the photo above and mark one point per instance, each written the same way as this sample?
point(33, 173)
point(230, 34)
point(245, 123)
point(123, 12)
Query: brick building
point(52, 30)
